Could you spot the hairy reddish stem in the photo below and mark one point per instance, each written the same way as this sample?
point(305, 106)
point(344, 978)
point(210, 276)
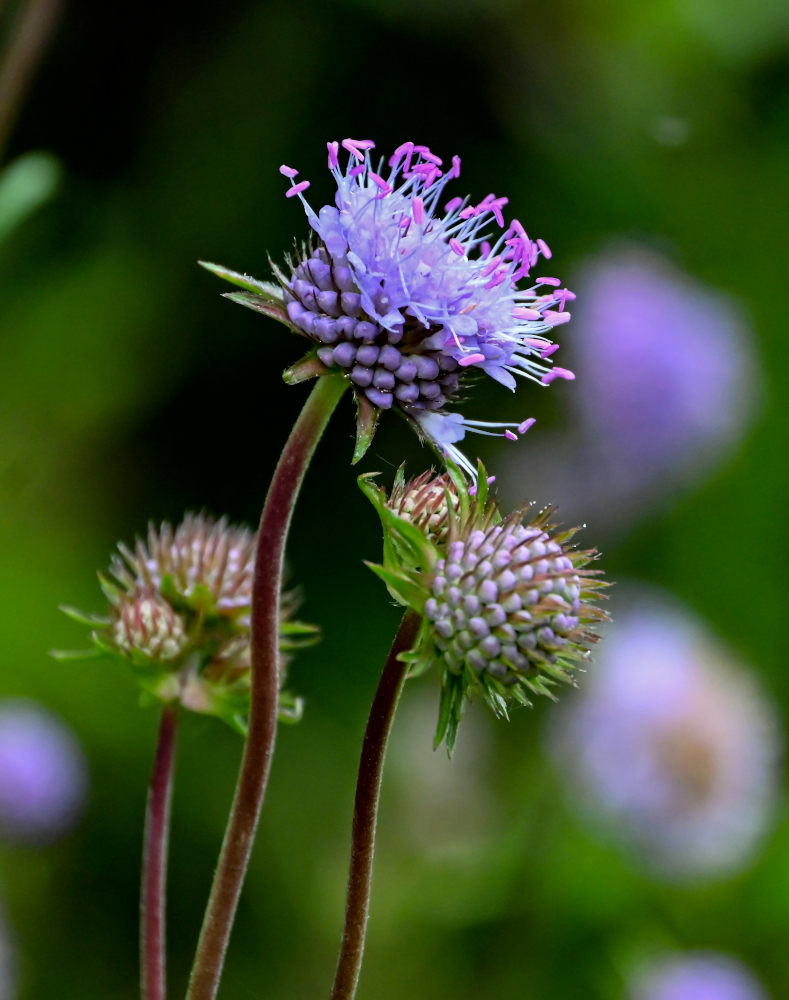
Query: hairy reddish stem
point(259, 747)
point(153, 947)
point(365, 810)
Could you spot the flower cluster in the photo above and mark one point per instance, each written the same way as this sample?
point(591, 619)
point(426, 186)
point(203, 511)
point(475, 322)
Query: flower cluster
point(673, 744)
point(43, 775)
point(504, 601)
point(179, 614)
point(403, 294)
point(697, 975)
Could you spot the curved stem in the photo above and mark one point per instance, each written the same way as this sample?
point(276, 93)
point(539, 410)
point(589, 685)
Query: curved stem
point(365, 810)
point(30, 33)
point(255, 764)
point(153, 979)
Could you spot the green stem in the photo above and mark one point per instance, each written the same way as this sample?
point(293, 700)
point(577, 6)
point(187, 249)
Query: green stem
point(153, 979)
point(365, 810)
point(256, 761)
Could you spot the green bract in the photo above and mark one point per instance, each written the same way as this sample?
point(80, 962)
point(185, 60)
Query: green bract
point(503, 600)
point(179, 616)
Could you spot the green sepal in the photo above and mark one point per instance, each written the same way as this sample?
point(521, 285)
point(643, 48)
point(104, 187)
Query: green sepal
point(200, 602)
point(299, 628)
point(260, 304)
point(84, 617)
point(450, 711)
point(268, 289)
point(76, 654)
point(366, 423)
point(290, 708)
point(461, 485)
point(295, 635)
point(423, 655)
point(110, 590)
point(402, 588)
point(403, 541)
point(308, 367)
point(237, 723)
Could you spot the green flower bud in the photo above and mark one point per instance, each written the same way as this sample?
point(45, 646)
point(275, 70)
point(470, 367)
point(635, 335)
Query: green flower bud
point(504, 601)
point(179, 616)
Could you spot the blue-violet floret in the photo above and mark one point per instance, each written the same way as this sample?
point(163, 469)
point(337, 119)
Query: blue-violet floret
point(404, 293)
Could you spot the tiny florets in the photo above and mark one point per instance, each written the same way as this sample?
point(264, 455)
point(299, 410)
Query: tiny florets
point(179, 614)
point(426, 501)
point(403, 292)
point(505, 602)
point(506, 606)
point(402, 296)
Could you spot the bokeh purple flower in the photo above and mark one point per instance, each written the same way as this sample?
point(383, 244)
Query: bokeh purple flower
point(403, 294)
point(43, 774)
point(695, 976)
point(671, 743)
point(667, 378)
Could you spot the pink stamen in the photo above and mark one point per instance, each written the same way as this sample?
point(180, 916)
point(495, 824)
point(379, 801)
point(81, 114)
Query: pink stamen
point(425, 153)
point(455, 171)
point(297, 189)
point(288, 171)
point(418, 211)
point(457, 247)
point(548, 350)
point(380, 182)
point(555, 282)
point(403, 149)
point(355, 146)
point(556, 318)
point(555, 373)
point(518, 228)
point(510, 436)
point(544, 249)
point(497, 279)
point(468, 211)
point(471, 359)
point(453, 204)
point(485, 249)
point(428, 171)
point(523, 312)
point(491, 266)
point(527, 425)
point(333, 148)
point(358, 169)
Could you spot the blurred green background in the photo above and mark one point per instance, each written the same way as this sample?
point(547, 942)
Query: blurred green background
point(130, 390)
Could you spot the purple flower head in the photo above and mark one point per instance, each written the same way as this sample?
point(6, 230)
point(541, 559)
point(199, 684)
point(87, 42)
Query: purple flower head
point(681, 384)
point(671, 744)
point(405, 291)
point(696, 976)
point(43, 775)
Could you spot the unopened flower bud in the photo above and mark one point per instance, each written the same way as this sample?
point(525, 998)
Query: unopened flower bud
point(179, 614)
point(425, 502)
point(505, 603)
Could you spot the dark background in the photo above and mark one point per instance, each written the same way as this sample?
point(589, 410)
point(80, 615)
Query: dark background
point(130, 390)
